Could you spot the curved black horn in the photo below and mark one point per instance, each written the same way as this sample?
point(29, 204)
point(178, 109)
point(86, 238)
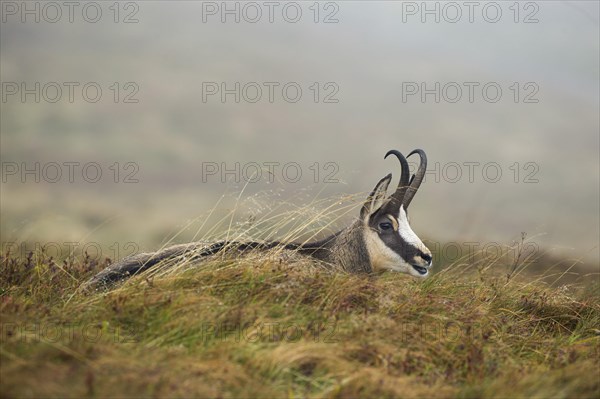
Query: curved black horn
point(397, 198)
point(416, 179)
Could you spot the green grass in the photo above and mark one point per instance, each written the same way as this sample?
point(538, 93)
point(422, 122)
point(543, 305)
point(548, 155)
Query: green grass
point(264, 327)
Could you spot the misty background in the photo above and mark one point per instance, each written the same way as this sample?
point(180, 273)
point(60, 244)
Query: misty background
point(547, 151)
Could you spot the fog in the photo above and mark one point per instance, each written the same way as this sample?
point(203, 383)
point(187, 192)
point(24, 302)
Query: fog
point(176, 104)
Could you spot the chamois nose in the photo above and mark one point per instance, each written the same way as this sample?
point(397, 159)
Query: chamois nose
point(426, 257)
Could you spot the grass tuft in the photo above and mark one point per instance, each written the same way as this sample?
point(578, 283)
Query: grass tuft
point(260, 327)
point(278, 325)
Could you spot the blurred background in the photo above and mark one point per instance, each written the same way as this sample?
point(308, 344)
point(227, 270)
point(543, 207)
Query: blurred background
point(349, 80)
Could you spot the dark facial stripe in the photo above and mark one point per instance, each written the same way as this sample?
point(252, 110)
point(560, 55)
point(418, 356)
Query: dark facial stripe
point(396, 243)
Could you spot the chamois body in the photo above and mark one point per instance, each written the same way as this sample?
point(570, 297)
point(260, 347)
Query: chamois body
point(345, 249)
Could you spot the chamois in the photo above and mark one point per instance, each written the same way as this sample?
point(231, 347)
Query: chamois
point(380, 239)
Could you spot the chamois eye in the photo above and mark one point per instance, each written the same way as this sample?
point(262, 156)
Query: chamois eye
point(385, 226)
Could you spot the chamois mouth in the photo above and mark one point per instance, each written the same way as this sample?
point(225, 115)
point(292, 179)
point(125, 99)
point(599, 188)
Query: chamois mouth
point(421, 270)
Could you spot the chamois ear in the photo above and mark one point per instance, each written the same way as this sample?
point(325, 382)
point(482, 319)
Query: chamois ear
point(376, 199)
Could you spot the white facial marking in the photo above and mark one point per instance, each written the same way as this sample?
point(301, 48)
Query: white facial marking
point(407, 234)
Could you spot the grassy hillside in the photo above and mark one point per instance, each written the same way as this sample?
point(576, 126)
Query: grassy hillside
point(275, 327)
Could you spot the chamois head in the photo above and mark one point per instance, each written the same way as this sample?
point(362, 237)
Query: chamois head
point(391, 243)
